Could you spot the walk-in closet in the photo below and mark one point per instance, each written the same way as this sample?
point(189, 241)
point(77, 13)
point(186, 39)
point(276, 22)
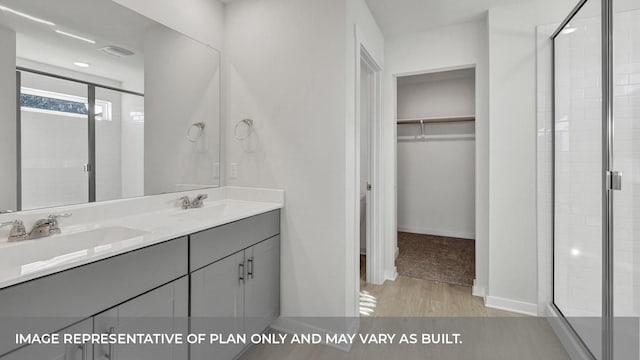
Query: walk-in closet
point(436, 176)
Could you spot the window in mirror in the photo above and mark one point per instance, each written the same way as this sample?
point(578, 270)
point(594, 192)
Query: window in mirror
point(62, 104)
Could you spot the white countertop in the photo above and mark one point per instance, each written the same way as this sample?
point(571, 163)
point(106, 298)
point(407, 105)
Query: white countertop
point(84, 243)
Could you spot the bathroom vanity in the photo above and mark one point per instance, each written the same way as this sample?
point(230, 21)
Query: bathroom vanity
point(210, 270)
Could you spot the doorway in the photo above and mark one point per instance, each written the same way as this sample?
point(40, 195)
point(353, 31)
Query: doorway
point(436, 150)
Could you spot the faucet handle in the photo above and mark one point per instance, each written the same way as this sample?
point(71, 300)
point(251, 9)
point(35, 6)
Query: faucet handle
point(54, 228)
point(198, 201)
point(185, 202)
point(18, 231)
point(62, 215)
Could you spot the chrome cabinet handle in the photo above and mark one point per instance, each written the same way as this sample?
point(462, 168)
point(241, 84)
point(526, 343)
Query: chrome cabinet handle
point(250, 267)
point(241, 272)
point(110, 355)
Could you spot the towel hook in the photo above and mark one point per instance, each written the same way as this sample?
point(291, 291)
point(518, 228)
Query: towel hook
point(422, 128)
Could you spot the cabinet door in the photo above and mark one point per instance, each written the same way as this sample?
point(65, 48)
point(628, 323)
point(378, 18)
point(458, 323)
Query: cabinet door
point(163, 310)
point(57, 352)
point(217, 299)
point(262, 289)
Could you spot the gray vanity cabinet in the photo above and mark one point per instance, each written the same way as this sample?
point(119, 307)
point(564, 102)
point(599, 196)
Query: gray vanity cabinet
point(57, 352)
point(161, 311)
point(262, 285)
point(217, 305)
point(225, 280)
point(239, 293)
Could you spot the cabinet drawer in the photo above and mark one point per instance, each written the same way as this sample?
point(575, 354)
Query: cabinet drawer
point(212, 245)
point(56, 301)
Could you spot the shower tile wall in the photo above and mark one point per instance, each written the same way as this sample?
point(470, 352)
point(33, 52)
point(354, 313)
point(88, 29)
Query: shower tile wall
point(627, 160)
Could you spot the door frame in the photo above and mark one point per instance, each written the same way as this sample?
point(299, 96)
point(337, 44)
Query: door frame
point(375, 241)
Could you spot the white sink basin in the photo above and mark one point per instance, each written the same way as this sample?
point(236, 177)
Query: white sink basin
point(40, 254)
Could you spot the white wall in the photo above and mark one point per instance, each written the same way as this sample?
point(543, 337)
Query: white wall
point(420, 97)
point(513, 261)
point(291, 83)
point(436, 178)
point(8, 186)
point(456, 46)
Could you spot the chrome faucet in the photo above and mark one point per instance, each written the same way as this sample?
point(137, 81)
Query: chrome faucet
point(197, 202)
point(46, 227)
point(18, 231)
point(42, 228)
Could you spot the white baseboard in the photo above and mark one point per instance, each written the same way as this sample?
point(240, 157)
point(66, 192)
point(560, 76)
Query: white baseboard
point(293, 326)
point(479, 291)
point(515, 306)
point(566, 336)
point(437, 232)
point(391, 274)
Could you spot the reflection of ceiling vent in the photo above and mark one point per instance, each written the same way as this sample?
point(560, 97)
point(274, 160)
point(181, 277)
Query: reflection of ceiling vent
point(116, 51)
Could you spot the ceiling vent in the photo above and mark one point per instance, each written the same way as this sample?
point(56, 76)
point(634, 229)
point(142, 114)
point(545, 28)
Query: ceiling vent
point(116, 51)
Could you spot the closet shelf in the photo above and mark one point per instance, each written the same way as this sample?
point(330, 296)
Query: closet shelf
point(437, 120)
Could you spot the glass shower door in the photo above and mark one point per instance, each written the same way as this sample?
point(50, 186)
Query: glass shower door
point(54, 151)
point(578, 180)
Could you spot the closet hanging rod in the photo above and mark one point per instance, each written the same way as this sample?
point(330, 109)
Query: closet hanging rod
point(437, 120)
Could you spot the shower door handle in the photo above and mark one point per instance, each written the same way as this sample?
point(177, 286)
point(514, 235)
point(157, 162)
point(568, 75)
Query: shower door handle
point(615, 180)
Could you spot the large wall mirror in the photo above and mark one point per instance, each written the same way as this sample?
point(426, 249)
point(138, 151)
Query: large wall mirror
point(98, 102)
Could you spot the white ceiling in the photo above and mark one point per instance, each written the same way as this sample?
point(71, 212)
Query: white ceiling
point(101, 20)
point(397, 17)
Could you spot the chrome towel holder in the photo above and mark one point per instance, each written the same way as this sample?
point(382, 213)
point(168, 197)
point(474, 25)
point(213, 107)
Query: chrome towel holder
point(199, 128)
point(248, 123)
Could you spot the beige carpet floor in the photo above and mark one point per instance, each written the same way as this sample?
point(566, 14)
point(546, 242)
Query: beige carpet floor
point(438, 258)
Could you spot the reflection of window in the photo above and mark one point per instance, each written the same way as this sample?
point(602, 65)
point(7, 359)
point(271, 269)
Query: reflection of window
point(35, 100)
